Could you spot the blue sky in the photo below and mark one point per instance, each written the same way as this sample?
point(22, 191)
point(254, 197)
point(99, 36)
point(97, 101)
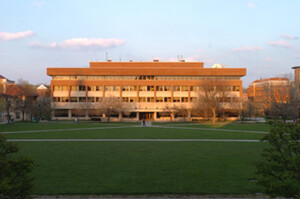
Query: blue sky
point(260, 35)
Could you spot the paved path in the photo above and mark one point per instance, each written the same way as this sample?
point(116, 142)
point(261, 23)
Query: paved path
point(131, 140)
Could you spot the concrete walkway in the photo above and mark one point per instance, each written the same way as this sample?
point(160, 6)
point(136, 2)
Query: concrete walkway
point(131, 140)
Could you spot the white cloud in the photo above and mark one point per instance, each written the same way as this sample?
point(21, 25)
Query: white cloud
point(269, 59)
point(246, 49)
point(287, 36)
point(80, 43)
point(39, 4)
point(251, 5)
point(281, 44)
point(6, 36)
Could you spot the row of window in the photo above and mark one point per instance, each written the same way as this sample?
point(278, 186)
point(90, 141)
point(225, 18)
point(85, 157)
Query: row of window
point(143, 88)
point(143, 77)
point(141, 99)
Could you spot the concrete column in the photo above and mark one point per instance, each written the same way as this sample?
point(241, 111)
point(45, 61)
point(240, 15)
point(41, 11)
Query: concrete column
point(155, 116)
point(69, 114)
point(189, 114)
point(137, 115)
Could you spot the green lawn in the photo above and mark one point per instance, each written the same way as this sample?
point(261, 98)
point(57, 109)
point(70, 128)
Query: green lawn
point(143, 167)
point(26, 126)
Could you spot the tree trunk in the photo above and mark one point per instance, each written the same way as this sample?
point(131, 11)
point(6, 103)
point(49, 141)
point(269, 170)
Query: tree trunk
point(213, 115)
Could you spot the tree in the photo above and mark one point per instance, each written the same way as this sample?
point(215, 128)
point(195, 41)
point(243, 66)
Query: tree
point(182, 111)
point(41, 108)
point(9, 104)
point(109, 106)
point(247, 109)
point(212, 94)
point(15, 179)
point(279, 100)
point(25, 105)
point(279, 169)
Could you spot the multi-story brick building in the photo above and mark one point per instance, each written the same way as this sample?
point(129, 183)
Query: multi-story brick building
point(263, 91)
point(148, 87)
point(297, 88)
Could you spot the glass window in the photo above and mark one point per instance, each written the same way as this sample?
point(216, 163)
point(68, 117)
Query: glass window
point(81, 88)
point(125, 99)
point(150, 99)
point(167, 99)
point(184, 99)
point(56, 88)
point(64, 99)
point(167, 88)
point(142, 99)
point(82, 99)
point(150, 88)
point(74, 88)
point(74, 99)
point(91, 99)
point(133, 99)
point(176, 99)
point(98, 99)
point(184, 88)
point(142, 88)
point(159, 99)
point(176, 88)
point(236, 88)
point(56, 99)
point(98, 88)
point(159, 88)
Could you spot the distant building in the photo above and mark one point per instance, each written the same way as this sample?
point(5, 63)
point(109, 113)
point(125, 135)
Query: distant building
point(263, 90)
point(43, 90)
point(148, 87)
point(10, 89)
point(297, 88)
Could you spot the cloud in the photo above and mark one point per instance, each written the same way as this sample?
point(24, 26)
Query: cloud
point(269, 59)
point(246, 49)
point(287, 36)
point(80, 43)
point(6, 36)
point(281, 44)
point(251, 5)
point(297, 56)
point(39, 4)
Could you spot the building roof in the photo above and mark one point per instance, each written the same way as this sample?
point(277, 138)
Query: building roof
point(2, 77)
point(271, 79)
point(147, 68)
point(42, 87)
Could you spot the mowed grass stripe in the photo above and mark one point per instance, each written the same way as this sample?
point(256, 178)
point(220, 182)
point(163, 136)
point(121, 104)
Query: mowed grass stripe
point(25, 126)
point(137, 133)
point(143, 167)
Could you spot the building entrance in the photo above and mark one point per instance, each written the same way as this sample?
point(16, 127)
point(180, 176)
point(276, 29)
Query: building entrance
point(146, 115)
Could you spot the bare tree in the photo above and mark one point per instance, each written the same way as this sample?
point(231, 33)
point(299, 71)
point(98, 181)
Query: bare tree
point(42, 107)
point(279, 99)
point(212, 94)
point(110, 106)
point(181, 110)
point(9, 104)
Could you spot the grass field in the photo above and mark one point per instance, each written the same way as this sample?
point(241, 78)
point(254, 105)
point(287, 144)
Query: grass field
point(142, 167)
